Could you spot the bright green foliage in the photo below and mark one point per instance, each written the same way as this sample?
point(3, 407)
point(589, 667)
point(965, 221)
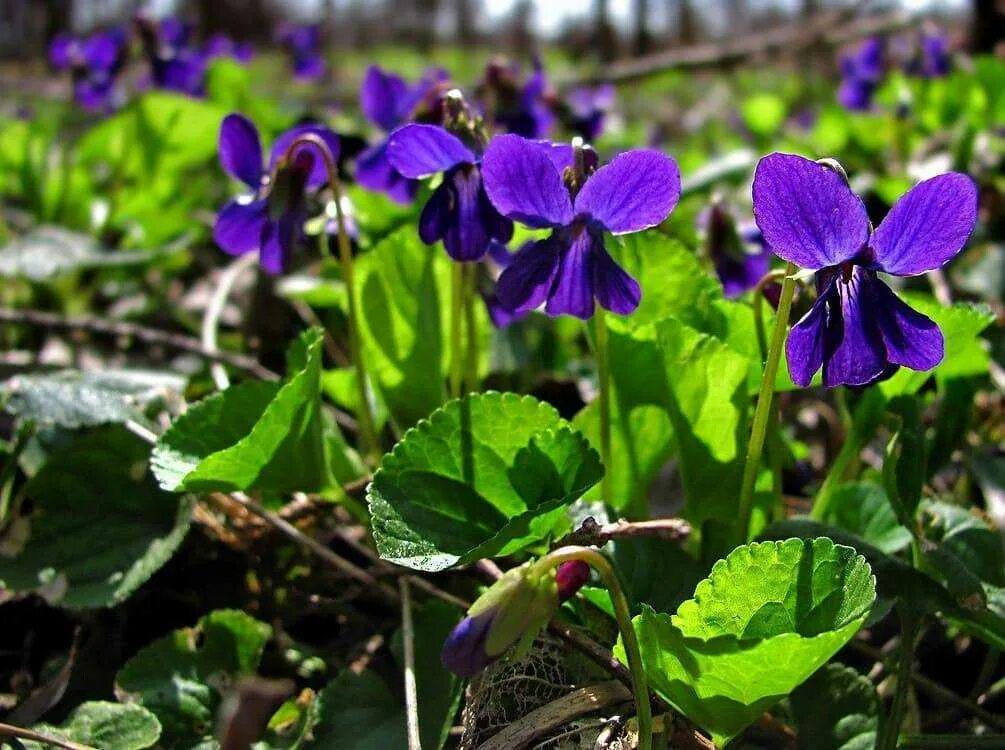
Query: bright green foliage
point(93, 543)
point(105, 725)
point(482, 476)
point(836, 709)
point(863, 508)
point(257, 435)
point(769, 615)
point(183, 677)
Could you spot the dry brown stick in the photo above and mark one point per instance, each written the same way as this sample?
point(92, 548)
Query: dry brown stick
point(592, 534)
point(933, 688)
point(7, 730)
point(408, 642)
point(829, 27)
point(93, 324)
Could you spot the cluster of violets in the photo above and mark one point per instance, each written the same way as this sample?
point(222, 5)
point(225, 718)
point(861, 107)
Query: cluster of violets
point(858, 331)
point(176, 60)
point(863, 67)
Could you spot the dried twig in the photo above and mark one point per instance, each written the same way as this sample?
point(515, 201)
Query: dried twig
point(592, 534)
point(104, 326)
point(830, 27)
point(211, 320)
point(411, 691)
point(7, 730)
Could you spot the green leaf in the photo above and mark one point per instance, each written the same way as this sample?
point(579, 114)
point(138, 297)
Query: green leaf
point(767, 618)
point(642, 564)
point(48, 251)
point(863, 509)
point(73, 399)
point(104, 725)
point(836, 709)
point(708, 403)
point(763, 114)
point(403, 286)
point(99, 527)
point(439, 691)
point(904, 464)
point(253, 436)
point(968, 536)
point(183, 676)
point(358, 712)
point(482, 476)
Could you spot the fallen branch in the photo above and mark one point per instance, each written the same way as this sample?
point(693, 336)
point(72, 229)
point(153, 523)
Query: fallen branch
point(7, 730)
point(180, 342)
point(829, 27)
point(592, 534)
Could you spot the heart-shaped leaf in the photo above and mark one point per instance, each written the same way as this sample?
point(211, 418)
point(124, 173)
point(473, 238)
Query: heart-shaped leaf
point(485, 475)
point(836, 709)
point(110, 726)
point(99, 527)
point(769, 615)
point(253, 436)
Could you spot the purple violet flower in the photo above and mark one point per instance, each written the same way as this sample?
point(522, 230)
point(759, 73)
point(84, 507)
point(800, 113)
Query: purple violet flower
point(861, 72)
point(388, 101)
point(94, 63)
point(221, 45)
point(303, 43)
point(174, 66)
point(571, 267)
point(588, 107)
point(512, 610)
point(270, 219)
point(858, 330)
point(737, 249)
point(935, 59)
point(458, 212)
point(520, 109)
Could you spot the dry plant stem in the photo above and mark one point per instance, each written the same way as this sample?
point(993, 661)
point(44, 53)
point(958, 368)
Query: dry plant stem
point(960, 742)
point(211, 320)
point(6, 730)
point(640, 685)
point(762, 412)
point(311, 544)
point(411, 691)
point(592, 534)
point(934, 689)
point(367, 432)
point(122, 329)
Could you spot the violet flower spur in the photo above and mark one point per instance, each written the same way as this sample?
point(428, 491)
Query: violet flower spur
point(388, 101)
point(94, 63)
point(858, 330)
point(459, 211)
point(571, 267)
point(270, 219)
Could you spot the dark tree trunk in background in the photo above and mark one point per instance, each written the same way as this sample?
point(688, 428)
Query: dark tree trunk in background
point(252, 20)
point(643, 39)
point(58, 17)
point(465, 21)
point(988, 25)
point(426, 12)
point(521, 38)
point(687, 22)
point(603, 32)
point(809, 7)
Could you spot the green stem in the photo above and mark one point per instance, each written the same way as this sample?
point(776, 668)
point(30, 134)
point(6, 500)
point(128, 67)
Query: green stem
point(456, 315)
point(364, 419)
point(471, 370)
point(768, 278)
point(958, 741)
point(600, 346)
point(762, 412)
point(640, 685)
point(890, 731)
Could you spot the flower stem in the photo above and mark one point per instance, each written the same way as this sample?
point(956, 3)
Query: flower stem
point(762, 412)
point(367, 432)
point(890, 730)
point(471, 329)
point(456, 314)
point(640, 685)
point(600, 346)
